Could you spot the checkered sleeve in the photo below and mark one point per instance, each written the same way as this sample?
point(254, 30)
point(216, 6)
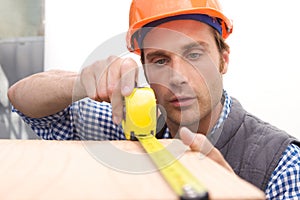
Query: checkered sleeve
point(285, 180)
point(83, 120)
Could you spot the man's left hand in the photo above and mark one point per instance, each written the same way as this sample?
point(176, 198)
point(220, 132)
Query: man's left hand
point(199, 142)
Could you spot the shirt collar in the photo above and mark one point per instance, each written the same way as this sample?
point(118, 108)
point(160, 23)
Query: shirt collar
point(226, 101)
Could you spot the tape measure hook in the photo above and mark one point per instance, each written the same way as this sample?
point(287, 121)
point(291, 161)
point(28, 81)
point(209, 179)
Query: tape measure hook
point(189, 193)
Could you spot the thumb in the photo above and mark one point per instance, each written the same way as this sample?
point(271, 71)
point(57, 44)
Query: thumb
point(197, 142)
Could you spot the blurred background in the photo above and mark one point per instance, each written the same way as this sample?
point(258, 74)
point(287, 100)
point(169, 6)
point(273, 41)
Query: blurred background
point(21, 54)
point(38, 35)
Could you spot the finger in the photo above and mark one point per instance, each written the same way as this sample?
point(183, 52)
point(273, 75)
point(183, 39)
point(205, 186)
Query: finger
point(117, 104)
point(114, 88)
point(113, 75)
point(101, 71)
point(117, 108)
point(197, 142)
point(129, 72)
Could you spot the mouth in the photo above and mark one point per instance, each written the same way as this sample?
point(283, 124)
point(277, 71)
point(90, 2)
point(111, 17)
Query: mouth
point(182, 101)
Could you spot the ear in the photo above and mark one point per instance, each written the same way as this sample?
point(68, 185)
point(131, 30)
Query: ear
point(225, 59)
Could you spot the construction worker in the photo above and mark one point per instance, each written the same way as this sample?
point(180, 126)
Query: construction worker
point(184, 56)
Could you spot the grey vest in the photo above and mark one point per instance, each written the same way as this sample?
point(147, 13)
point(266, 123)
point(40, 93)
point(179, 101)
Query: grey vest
point(252, 147)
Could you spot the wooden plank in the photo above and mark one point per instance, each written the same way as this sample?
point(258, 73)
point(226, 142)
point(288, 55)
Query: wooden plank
point(39, 169)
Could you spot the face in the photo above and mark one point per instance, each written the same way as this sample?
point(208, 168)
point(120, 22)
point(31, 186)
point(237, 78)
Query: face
point(182, 65)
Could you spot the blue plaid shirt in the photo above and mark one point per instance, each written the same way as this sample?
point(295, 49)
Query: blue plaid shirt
point(90, 120)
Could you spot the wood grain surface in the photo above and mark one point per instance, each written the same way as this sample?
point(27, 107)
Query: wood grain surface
point(39, 169)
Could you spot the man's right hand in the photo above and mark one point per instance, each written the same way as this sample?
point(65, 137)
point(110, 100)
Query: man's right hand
point(109, 80)
point(49, 92)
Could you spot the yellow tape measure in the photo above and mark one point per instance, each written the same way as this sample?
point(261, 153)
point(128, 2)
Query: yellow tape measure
point(140, 122)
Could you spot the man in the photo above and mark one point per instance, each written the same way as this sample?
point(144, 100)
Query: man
point(184, 56)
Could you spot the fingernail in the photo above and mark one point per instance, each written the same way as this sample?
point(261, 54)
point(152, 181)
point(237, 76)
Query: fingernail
point(187, 136)
point(116, 120)
point(126, 90)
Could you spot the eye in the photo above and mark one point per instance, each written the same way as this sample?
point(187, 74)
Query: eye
point(193, 56)
point(162, 61)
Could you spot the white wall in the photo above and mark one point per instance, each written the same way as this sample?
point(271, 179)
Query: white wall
point(75, 28)
point(264, 67)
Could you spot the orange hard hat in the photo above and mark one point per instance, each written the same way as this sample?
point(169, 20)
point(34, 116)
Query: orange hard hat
point(143, 12)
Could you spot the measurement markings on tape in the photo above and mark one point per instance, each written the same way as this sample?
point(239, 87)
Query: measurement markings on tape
point(178, 177)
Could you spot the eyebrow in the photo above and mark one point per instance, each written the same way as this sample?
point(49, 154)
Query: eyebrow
point(195, 44)
point(184, 48)
point(156, 53)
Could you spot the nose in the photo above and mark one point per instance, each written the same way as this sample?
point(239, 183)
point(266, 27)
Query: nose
point(178, 74)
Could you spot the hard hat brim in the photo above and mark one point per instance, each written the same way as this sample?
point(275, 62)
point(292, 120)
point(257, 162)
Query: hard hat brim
point(227, 29)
